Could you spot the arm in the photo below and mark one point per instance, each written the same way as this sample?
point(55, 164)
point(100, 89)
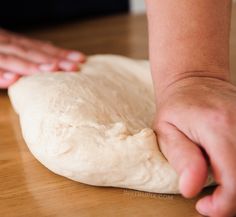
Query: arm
point(188, 37)
point(196, 103)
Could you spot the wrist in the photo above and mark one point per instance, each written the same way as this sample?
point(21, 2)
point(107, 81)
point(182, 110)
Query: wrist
point(165, 86)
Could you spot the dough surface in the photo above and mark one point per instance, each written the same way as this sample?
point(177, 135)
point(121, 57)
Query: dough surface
point(94, 126)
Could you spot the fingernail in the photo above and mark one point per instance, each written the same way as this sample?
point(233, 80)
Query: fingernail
point(46, 67)
point(74, 56)
point(68, 65)
point(8, 75)
point(201, 209)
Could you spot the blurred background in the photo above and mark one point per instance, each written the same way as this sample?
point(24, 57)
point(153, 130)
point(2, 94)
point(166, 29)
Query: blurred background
point(15, 14)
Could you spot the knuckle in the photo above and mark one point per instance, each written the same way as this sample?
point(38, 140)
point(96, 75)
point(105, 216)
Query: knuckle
point(161, 127)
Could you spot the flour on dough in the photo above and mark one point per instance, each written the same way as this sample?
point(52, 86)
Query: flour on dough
point(94, 126)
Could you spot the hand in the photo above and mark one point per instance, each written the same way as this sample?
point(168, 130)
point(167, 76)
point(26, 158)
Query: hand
point(23, 56)
point(195, 114)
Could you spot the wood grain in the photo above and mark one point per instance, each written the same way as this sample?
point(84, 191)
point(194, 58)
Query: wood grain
point(28, 189)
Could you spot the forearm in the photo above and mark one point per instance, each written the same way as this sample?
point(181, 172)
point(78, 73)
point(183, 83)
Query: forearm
point(188, 38)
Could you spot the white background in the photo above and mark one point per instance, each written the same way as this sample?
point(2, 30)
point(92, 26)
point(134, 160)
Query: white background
point(137, 6)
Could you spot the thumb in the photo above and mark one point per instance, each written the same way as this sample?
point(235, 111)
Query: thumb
point(185, 157)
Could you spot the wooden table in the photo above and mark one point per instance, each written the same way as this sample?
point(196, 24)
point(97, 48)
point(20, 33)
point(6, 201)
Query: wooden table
point(28, 189)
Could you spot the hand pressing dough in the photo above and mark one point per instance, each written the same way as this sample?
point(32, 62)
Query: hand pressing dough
point(95, 126)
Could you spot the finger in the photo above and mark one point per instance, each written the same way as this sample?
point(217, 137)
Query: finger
point(67, 60)
point(44, 54)
point(222, 201)
point(219, 204)
point(74, 56)
point(22, 66)
point(37, 56)
point(186, 158)
point(7, 79)
point(26, 53)
point(46, 47)
point(68, 66)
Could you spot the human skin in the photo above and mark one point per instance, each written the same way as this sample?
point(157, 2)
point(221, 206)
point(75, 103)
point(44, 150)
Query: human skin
point(20, 56)
point(196, 102)
point(189, 53)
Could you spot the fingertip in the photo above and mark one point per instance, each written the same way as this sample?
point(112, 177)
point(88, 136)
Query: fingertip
point(48, 67)
point(7, 79)
point(9, 76)
point(193, 178)
point(68, 66)
point(76, 56)
point(220, 203)
point(186, 184)
point(203, 205)
point(186, 158)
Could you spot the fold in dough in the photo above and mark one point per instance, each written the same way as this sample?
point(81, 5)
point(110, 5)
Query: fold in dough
point(94, 126)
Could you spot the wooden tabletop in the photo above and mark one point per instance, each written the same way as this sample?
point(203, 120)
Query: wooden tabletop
point(29, 189)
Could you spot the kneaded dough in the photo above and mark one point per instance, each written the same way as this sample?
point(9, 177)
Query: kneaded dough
point(95, 126)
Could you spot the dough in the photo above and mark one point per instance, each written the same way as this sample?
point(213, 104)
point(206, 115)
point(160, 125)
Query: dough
point(94, 126)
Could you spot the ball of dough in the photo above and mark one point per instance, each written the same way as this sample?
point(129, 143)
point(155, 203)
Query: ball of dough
point(95, 126)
